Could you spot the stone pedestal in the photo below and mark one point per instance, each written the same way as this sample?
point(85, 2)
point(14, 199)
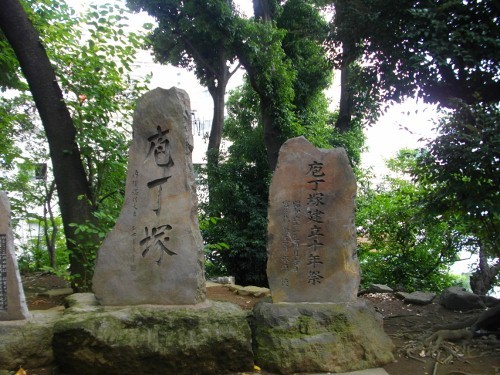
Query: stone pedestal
point(28, 343)
point(12, 300)
point(319, 337)
point(212, 338)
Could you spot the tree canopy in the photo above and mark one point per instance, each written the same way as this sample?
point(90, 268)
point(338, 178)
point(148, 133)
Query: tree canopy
point(461, 168)
point(438, 50)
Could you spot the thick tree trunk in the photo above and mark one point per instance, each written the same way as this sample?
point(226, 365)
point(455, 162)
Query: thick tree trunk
point(72, 185)
point(343, 123)
point(272, 135)
point(273, 138)
point(218, 94)
point(346, 102)
point(483, 278)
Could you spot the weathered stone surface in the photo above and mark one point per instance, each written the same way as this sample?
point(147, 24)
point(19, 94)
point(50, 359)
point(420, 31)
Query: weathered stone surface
point(311, 234)
point(249, 290)
point(214, 338)
point(322, 337)
point(154, 254)
point(82, 303)
point(28, 343)
point(420, 298)
point(12, 300)
point(457, 298)
point(51, 293)
point(379, 288)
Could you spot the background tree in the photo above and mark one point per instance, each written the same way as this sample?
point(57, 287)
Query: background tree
point(437, 50)
point(403, 246)
point(240, 184)
point(239, 195)
point(461, 165)
point(65, 155)
point(387, 51)
point(93, 91)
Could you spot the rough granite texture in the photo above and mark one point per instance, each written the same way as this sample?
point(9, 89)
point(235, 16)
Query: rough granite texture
point(214, 338)
point(28, 343)
point(313, 338)
point(311, 234)
point(154, 254)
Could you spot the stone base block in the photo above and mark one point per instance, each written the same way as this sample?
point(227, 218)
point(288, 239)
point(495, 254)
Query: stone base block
point(213, 338)
point(324, 337)
point(28, 343)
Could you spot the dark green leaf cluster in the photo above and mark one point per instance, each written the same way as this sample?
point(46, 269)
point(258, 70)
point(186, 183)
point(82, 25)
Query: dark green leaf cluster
point(439, 49)
point(238, 195)
point(462, 165)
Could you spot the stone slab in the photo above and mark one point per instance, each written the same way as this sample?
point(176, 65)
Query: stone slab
point(154, 254)
point(311, 234)
point(319, 337)
point(212, 339)
point(28, 343)
point(457, 298)
point(12, 299)
point(56, 292)
point(420, 298)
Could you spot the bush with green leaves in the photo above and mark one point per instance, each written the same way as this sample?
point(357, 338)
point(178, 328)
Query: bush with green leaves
point(403, 247)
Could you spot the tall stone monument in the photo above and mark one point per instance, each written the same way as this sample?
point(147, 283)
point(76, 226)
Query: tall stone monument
point(12, 300)
point(154, 254)
point(312, 239)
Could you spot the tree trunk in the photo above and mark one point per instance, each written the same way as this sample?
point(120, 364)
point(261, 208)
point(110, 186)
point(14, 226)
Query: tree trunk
point(483, 278)
point(273, 138)
point(72, 185)
point(343, 123)
point(218, 94)
point(272, 135)
point(50, 237)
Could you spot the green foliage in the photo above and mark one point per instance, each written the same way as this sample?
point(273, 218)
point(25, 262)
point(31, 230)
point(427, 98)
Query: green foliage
point(461, 168)
point(92, 56)
point(462, 163)
point(33, 254)
point(271, 73)
point(214, 266)
point(187, 37)
point(238, 199)
point(438, 50)
point(403, 247)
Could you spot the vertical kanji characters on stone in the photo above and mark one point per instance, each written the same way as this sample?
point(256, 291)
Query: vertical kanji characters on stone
point(154, 254)
point(311, 234)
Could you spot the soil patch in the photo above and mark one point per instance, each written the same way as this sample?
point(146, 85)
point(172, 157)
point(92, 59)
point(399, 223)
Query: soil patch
point(407, 325)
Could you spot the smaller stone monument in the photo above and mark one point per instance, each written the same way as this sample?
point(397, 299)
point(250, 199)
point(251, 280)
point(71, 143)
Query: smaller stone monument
point(154, 254)
point(12, 301)
point(312, 239)
point(316, 322)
